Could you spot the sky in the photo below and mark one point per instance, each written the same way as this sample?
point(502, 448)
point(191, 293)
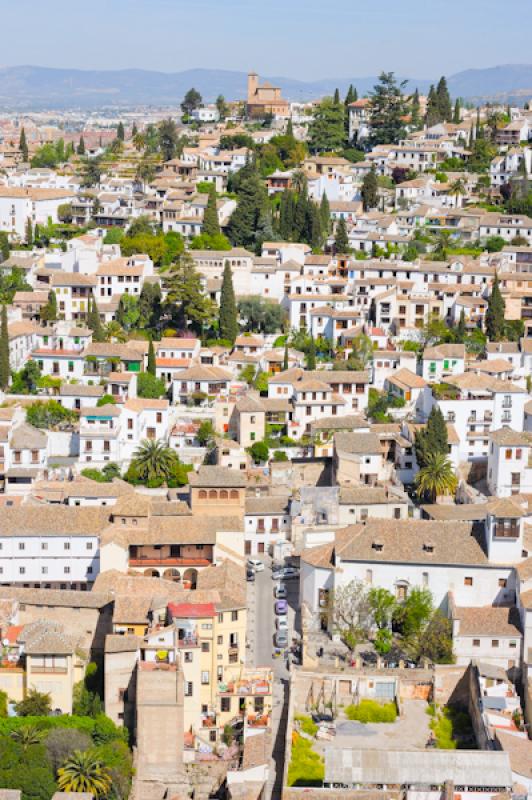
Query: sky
point(304, 39)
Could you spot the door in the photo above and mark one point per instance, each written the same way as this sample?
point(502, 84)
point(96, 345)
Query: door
point(385, 691)
point(247, 547)
point(260, 547)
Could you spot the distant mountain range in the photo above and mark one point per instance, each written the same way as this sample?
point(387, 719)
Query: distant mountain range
point(29, 87)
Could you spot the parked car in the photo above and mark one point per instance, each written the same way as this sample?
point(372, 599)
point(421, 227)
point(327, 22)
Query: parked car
point(250, 575)
point(255, 564)
point(281, 623)
point(281, 607)
point(277, 574)
point(280, 592)
point(281, 639)
point(290, 572)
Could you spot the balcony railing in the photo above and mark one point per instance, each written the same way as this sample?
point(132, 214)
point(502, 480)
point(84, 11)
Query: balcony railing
point(188, 641)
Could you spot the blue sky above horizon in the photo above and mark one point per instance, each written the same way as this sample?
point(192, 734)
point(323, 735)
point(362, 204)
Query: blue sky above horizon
point(305, 39)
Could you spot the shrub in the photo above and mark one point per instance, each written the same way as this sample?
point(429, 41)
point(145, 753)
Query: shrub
point(105, 400)
point(371, 711)
point(94, 475)
point(306, 767)
point(259, 452)
point(48, 414)
point(102, 729)
point(307, 724)
point(150, 387)
point(60, 743)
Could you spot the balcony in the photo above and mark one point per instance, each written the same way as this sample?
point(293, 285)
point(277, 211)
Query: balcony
point(188, 641)
point(171, 561)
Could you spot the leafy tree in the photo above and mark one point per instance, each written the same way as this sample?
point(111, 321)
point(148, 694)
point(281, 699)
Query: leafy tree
point(252, 201)
point(326, 131)
point(228, 311)
point(325, 214)
point(150, 306)
point(185, 293)
point(382, 604)
point(285, 357)
point(23, 145)
point(206, 433)
point(311, 355)
point(105, 400)
point(259, 452)
point(48, 414)
point(4, 246)
point(431, 439)
point(91, 172)
point(94, 322)
point(151, 366)
point(383, 641)
point(222, 107)
point(120, 132)
point(341, 240)
point(4, 351)
point(60, 743)
point(494, 244)
point(435, 642)
point(349, 613)
point(495, 313)
point(29, 770)
point(387, 109)
point(128, 312)
point(370, 190)
point(168, 138)
point(27, 380)
point(436, 478)
point(49, 311)
point(191, 101)
point(411, 616)
point(211, 226)
point(84, 772)
point(150, 387)
point(34, 704)
point(261, 315)
point(154, 460)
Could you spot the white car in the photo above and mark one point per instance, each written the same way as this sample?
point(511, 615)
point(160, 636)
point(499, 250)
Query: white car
point(255, 564)
point(280, 592)
point(281, 623)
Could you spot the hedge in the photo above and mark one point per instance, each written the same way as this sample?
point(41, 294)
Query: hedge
point(371, 711)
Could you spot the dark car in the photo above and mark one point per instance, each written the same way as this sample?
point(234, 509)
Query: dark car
point(250, 575)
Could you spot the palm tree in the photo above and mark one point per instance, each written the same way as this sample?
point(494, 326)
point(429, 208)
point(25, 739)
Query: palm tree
point(443, 240)
point(84, 772)
point(457, 189)
point(153, 460)
point(436, 478)
point(115, 333)
point(27, 735)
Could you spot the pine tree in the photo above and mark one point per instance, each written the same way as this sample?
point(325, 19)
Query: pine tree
point(94, 322)
point(494, 320)
point(211, 226)
point(444, 101)
point(370, 190)
point(228, 312)
point(4, 351)
point(415, 112)
point(311, 354)
point(325, 214)
point(341, 240)
point(457, 114)
point(151, 366)
point(387, 110)
point(81, 146)
point(29, 232)
point(120, 132)
point(285, 359)
point(432, 114)
point(23, 145)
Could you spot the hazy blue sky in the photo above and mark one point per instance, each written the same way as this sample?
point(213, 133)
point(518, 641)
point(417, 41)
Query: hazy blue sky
point(294, 38)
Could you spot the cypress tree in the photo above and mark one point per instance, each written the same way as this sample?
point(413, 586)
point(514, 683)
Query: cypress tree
point(311, 354)
point(134, 130)
point(4, 351)
point(94, 322)
point(120, 132)
point(461, 328)
point(81, 146)
point(285, 359)
point(49, 311)
point(444, 101)
point(351, 95)
point(432, 113)
point(286, 215)
point(300, 213)
point(23, 145)
point(325, 214)
point(228, 312)
point(211, 226)
point(495, 313)
point(290, 129)
point(457, 114)
point(315, 233)
point(369, 191)
point(29, 232)
point(151, 365)
point(432, 439)
point(415, 114)
point(341, 240)
point(336, 97)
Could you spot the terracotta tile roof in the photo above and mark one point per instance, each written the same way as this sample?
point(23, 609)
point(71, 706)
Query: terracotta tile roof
point(488, 621)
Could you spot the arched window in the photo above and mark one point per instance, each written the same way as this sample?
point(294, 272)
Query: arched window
point(234, 494)
point(224, 494)
point(213, 494)
point(202, 494)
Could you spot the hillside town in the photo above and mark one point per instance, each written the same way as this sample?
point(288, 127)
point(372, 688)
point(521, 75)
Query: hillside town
point(266, 449)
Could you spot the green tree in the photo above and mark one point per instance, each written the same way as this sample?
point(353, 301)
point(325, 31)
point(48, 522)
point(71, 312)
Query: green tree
point(222, 107)
point(435, 642)
point(120, 132)
point(84, 772)
point(259, 452)
point(325, 214)
point(191, 101)
point(436, 478)
point(128, 312)
point(370, 190)
point(29, 770)
point(228, 311)
point(4, 246)
point(382, 604)
point(60, 743)
point(29, 233)
point(349, 614)
point(252, 201)
point(27, 735)
point(310, 361)
point(154, 460)
point(34, 704)
point(150, 306)
point(495, 313)
point(415, 110)
point(387, 109)
point(168, 139)
point(206, 433)
point(341, 240)
point(412, 615)
point(461, 328)
point(81, 146)
point(151, 366)
point(432, 438)
point(23, 145)
point(49, 311)
point(326, 131)
point(185, 294)
point(457, 113)
point(94, 321)
point(285, 358)
point(444, 101)
point(261, 315)
point(4, 351)
point(211, 225)
point(150, 387)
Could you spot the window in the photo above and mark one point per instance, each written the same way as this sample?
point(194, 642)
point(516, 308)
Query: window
point(468, 581)
point(369, 576)
point(494, 642)
point(89, 545)
point(22, 570)
point(205, 677)
point(67, 545)
point(363, 514)
point(67, 570)
point(220, 640)
point(188, 657)
point(212, 736)
point(508, 454)
point(205, 647)
point(189, 688)
point(234, 616)
point(513, 645)
point(44, 545)
point(220, 617)
point(225, 704)
point(44, 570)
point(425, 579)
point(476, 642)
point(502, 583)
